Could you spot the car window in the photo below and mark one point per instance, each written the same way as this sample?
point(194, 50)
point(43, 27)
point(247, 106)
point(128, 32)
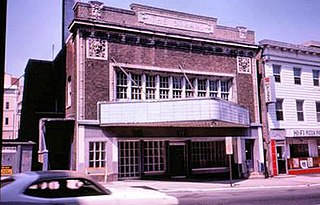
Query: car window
point(6, 181)
point(59, 188)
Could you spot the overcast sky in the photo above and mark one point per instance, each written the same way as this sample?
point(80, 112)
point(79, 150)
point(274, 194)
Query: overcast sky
point(34, 26)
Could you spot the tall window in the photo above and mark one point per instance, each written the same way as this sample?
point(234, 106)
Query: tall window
point(316, 75)
point(150, 87)
point(276, 73)
point(164, 87)
point(190, 88)
point(6, 121)
point(297, 76)
point(122, 85)
point(318, 111)
point(69, 92)
point(177, 87)
point(279, 109)
point(299, 104)
point(97, 154)
point(129, 159)
point(136, 87)
point(213, 88)
point(225, 90)
point(7, 105)
point(154, 153)
point(202, 88)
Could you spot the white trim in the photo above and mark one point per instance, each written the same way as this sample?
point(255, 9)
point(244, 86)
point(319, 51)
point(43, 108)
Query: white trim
point(163, 34)
point(81, 145)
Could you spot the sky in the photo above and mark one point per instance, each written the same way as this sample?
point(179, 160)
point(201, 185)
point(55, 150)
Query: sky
point(34, 26)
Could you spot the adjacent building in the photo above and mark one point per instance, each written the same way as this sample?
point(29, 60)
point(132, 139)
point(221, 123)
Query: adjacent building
point(155, 92)
point(291, 106)
point(12, 99)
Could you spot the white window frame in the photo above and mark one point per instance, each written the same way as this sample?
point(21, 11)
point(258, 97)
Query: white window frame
point(97, 154)
point(300, 113)
point(276, 73)
point(318, 111)
point(279, 110)
point(316, 77)
point(297, 76)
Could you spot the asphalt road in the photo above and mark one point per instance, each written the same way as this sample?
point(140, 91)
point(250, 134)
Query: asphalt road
point(283, 196)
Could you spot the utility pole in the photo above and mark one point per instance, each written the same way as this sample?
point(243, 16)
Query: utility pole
point(3, 26)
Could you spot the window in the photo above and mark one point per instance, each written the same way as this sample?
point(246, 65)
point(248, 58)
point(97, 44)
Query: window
point(299, 104)
point(213, 88)
point(315, 74)
point(164, 87)
point(121, 85)
point(297, 76)
point(279, 109)
point(6, 121)
point(202, 88)
point(7, 105)
point(206, 154)
point(276, 73)
point(225, 90)
point(154, 153)
point(318, 111)
point(69, 92)
point(97, 154)
point(177, 87)
point(136, 87)
point(189, 88)
point(129, 159)
point(299, 150)
point(150, 87)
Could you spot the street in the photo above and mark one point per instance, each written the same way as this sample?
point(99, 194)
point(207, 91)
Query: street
point(283, 196)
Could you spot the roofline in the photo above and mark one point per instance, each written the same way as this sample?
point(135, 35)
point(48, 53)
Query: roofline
point(136, 30)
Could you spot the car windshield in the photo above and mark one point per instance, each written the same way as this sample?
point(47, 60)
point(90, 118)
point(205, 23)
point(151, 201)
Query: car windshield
point(5, 181)
point(58, 188)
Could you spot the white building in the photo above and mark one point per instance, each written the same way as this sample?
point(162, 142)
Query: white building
point(292, 92)
point(11, 106)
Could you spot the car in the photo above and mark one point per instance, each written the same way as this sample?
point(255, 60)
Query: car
point(72, 188)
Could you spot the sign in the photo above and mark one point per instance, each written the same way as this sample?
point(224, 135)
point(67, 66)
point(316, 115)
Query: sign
point(6, 170)
point(269, 89)
point(176, 23)
point(303, 133)
point(229, 149)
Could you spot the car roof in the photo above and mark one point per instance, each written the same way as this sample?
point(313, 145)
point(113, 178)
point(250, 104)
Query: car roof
point(57, 174)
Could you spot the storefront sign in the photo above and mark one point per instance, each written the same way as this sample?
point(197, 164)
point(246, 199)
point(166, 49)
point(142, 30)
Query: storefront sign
point(269, 89)
point(6, 170)
point(303, 133)
point(229, 149)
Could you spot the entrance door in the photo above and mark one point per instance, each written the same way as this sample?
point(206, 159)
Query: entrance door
point(281, 160)
point(177, 160)
point(249, 155)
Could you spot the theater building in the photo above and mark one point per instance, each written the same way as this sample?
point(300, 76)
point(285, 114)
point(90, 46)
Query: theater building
point(292, 106)
point(155, 92)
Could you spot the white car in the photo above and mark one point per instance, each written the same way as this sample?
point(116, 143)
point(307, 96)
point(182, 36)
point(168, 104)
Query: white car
point(72, 188)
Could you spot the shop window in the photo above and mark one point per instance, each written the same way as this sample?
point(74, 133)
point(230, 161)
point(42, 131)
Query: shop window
point(279, 109)
point(97, 154)
point(299, 150)
point(154, 156)
point(129, 159)
point(208, 154)
point(276, 73)
point(316, 75)
point(297, 76)
point(299, 104)
point(177, 87)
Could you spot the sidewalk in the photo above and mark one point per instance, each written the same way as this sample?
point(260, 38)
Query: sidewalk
point(185, 185)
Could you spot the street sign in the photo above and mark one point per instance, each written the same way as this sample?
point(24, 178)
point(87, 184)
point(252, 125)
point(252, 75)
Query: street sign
point(6, 170)
point(229, 149)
